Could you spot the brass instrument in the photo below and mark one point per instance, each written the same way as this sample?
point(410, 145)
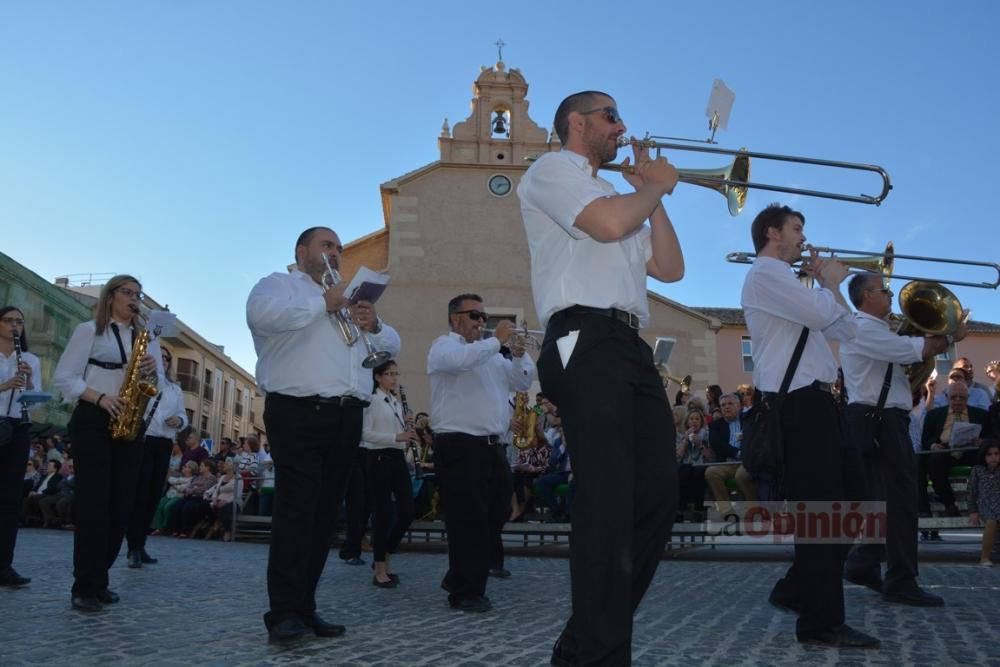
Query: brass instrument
point(883, 263)
point(135, 392)
point(527, 418)
point(683, 383)
point(528, 338)
point(350, 331)
point(928, 310)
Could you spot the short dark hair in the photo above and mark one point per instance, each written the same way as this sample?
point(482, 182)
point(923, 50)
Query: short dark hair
point(210, 464)
point(56, 463)
point(380, 370)
point(306, 236)
point(456, 303)
point(775, 215)
point(984, 448)
point(857, 286)
point(576, 102)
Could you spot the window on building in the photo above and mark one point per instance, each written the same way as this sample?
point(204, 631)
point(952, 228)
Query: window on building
point(746, 350)
point(204, 423)
point(190, 415)
point(209, 391)
point(187, 375)
point(944, 361)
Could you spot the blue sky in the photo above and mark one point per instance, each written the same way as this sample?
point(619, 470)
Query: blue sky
point(189, 142)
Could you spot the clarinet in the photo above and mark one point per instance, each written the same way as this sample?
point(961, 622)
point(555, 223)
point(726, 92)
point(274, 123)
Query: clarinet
point(413, 441)
point(25, 417)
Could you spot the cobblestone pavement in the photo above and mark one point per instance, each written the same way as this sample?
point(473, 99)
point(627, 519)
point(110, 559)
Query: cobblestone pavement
point(203, 603)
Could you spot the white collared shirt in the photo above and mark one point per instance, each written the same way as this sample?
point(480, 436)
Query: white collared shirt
point(383, 420)
point(171, 404)
point(776, 306)
point(74, 373)
point(300, 351)
point(568, 267)
point(865, 358)
point(9, 407)
point(471, 382)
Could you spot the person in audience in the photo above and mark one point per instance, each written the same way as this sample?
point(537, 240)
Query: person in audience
point(560, 472)
point(224, 496)
point(746, 394)
point(984, 496)
point(193, 451)
point(975, 399)
point(713, 393)
point(692, 451)
point(56, 507)
point(192, 506)
point(31, 477)
point(726, 437)
point(978, 398)
point(176, 453)
point(176, 485)
point(682, 397)
point(530, 463)
point(47, 486)
point(224, 450)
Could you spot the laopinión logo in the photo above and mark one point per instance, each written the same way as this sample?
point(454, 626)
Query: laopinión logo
point(798, 522)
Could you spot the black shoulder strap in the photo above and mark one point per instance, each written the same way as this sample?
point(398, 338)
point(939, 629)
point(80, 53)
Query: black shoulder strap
point(792, 365)
point(886, 383)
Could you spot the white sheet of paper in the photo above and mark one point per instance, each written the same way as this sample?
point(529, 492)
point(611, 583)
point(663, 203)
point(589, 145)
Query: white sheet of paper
point(963, 433)
point(566, 344)
point(366, 285)
point(162, 323)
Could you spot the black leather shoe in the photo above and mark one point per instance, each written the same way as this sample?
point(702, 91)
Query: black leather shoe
point(288, 630)
point(843, 636)
point(11, 579)
point(473, 605)
point(385, 584)
point(108, 596)
point(146, 558)
point(322, 628)
point(874, 583)
point(917, 598)
point(500, 572)
point(784, 603)
point(354, 561)
point(562, 656)
point(86, 603)
point(134, 559)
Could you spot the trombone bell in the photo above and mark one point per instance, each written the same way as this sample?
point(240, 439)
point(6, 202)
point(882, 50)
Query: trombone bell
point(717, 179)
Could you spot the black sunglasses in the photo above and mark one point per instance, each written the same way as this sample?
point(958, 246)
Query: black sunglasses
point(474, 314)
point(610, 114)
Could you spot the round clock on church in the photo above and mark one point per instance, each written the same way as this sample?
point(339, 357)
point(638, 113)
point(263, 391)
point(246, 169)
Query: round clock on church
point(499, 185)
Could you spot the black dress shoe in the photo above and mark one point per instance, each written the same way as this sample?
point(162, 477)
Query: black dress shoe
point(784, 602)
point(287, 630)
point(146, 558)
point(500, 572)
point(11, 579)
point(86, 603)
point(917, 598)
point(354, 561)
point(108, 596)
point(562, 656)
point(392, 583)
point(322, 628)
point(843, 636)
point(134, 559)
point(869, 581)
point(473, 605)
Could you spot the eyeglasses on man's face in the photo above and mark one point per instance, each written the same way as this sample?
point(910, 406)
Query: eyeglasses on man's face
point(610, 114)
point(129, 293)
point(883, 290)
point(13, 321)
point(478, 315)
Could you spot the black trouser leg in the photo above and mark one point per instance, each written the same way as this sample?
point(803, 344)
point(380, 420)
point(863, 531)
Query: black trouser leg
point(501, 490)
point(356, 506)
point(313, 446)
point(621, 447)
point(390, 478)
point(814, 464)
point(106, 472)
point(13, 459)
point(149, 488)
point(938, 467)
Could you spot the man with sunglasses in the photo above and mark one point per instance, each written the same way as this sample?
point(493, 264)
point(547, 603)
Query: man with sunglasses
point(165, 416)
point(888, 465)
point(591, 252)
point(470, 382)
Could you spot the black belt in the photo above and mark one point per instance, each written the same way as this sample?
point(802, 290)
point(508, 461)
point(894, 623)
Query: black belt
point(864, 406)
point(486, 439)
point(341, 401)
point(106, 365)
point(631, 319)
point(816, 384)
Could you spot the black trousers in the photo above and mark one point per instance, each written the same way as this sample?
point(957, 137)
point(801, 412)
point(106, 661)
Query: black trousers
point(500, 495)
point(313, 446)
point(620, 433)
point(389, 478)
point(937, 467)
point(889, 474)
point(692, 485)
point(815, 463)
point(13, 459)
point(106, 470)
point(469, 473)
point(357, 507)
point(148, 488)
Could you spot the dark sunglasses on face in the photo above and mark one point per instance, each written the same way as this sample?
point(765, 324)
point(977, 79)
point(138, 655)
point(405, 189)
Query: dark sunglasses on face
point(610, 114)
point(474, 314)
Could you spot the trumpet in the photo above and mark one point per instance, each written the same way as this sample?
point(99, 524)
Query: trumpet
point(522, 336)
point(883, 263)
point(350, 331)
point(684, 383)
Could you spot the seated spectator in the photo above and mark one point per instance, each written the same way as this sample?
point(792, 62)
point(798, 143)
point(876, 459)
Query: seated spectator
point(177, 483)
point(560, 471)
point(176, 454)
point(692, 450)
point(726, 437)
point(713, 393)
point(193, 451)
point(527, 466)
point(192, 507)
point(47, 486)
point(978, 398)
point(57, 509)
point(222, 498)
point(265, 502)
point(31, 477)
point(746, 394)
point(51, 452)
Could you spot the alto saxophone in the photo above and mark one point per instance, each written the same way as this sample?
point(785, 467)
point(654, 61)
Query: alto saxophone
point(135, 393)
point(527, 418)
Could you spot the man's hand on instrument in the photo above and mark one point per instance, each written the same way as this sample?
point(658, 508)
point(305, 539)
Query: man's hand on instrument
point(334, 297)
point(173, 422)
point(937, 446)
point(505, 329)
point(658, 172)
point(828, 272)
point(364, 315)
point(147, 366)
point(111, 404)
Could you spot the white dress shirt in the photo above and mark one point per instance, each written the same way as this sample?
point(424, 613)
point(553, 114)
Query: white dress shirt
point(171, 405)
point(74, 373)
point(300, 351)
point(568, 267)
point(470, 383)
point(383, 420)
point(776, 306)
point(9, 407)
point(864, 360)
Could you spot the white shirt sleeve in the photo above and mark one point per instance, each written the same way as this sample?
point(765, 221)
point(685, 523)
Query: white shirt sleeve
point(449, 355)
point(561, 189)
point(69, 373)
point(521, 372)
point(878, 342)
point(273, 308)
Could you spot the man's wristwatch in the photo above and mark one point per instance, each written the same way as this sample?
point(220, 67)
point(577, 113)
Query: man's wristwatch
point(377, 328)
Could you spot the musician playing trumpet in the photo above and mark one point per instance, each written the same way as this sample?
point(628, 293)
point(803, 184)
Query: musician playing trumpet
point(91, 371)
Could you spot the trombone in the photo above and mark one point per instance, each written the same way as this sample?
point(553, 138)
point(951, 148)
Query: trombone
point(883, 262)
point(733, 181)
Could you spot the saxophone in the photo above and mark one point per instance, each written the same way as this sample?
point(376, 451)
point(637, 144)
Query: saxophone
point(527, 418)
point(135, 393)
